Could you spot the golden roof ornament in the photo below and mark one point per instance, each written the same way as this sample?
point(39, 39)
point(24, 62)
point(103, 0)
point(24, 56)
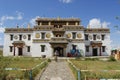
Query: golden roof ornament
point(58, 18)
point(28, 26)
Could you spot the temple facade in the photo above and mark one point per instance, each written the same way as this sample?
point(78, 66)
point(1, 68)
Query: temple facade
point(66, 36)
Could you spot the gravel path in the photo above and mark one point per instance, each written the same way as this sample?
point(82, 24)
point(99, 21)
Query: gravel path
point(57, 71)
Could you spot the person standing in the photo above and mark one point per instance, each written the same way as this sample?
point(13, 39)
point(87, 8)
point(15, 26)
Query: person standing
point(56, 54)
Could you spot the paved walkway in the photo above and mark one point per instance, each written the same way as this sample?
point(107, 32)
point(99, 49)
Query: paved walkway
point(57, 71)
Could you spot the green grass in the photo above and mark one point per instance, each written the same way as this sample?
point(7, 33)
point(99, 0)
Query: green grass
point(98, 67)
point(21, 63)
point(1, 52)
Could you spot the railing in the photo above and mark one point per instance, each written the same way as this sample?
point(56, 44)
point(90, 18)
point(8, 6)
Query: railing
point(58, 29)
point(59, 39)
point(75, 70)
point(94, 74)
point(30, 73)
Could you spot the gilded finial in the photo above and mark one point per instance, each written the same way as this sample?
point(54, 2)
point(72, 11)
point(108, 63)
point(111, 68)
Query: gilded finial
point(58, 18)
point(28, 25)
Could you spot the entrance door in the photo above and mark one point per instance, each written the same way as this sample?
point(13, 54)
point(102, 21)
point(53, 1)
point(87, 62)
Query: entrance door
point(20, 51)
point(60, 51)
point(95, 51)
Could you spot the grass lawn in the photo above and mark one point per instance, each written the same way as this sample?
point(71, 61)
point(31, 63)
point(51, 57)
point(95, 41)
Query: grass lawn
point(1, 52)
point(98, 67)
point(21, 63)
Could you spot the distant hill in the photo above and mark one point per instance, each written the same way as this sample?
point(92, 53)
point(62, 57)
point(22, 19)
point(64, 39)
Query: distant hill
point(1, 47)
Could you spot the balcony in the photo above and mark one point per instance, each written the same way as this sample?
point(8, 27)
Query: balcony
point(96, 43)
point(58, 40)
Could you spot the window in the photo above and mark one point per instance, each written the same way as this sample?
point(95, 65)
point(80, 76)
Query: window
point(29, 37)
point(87, 48)
point(103, 48)
point(102, 37)
point(74, 47)
point(86, 36)
point(74, 35)
point(11, 37)
point(28, 49)
point(94, 37)
point(20, 37)
point(43, 35)
point(42, 48)
point(11, 48)
point(58, 35)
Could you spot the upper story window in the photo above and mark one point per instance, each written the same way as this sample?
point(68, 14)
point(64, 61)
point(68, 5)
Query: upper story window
point(11, 37)
point(42, 48)
point(86, 36)
point(94, 37)
point(29, 37)
point(20, 37)
point(58, 35)
point(103, 37)
point(42, 35)
point(74, 35)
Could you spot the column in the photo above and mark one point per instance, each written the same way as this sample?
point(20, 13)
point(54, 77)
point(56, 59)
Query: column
point(65, 54)
point(49, 23)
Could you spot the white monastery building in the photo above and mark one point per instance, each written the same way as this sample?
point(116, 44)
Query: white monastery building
point(66, 36)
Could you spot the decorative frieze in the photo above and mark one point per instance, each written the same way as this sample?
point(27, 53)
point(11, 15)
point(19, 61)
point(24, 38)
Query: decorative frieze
point(40, 40)
point(97, 30)
point(17, 30)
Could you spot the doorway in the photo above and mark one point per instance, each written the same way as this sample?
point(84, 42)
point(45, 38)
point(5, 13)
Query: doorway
point(95, 51)
point(20, 51)
point(60, 51)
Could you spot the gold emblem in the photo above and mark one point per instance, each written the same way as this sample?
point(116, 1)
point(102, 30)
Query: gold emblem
point(90, 37)
point(15, 37)
point(48, 35)
point(37, 35)
point(24, 36)
point(79, 35)
point(98, 36)
point(68, 35)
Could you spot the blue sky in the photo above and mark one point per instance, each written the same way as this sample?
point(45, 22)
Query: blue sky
point(92, 12)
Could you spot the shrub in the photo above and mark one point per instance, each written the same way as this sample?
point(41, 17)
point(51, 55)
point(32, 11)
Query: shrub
point(111, 58)
point(49, 60)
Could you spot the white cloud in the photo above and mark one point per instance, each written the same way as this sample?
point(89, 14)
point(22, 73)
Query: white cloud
point(2, 29)
point(118, 31)
point(96, 23)
point(6, 17)
point(32, 21)
point(66, 1)
point(19, 15)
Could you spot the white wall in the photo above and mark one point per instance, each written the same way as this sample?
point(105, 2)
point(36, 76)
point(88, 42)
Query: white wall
point(8, 42)
point(36, 50)
point(106, 42)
